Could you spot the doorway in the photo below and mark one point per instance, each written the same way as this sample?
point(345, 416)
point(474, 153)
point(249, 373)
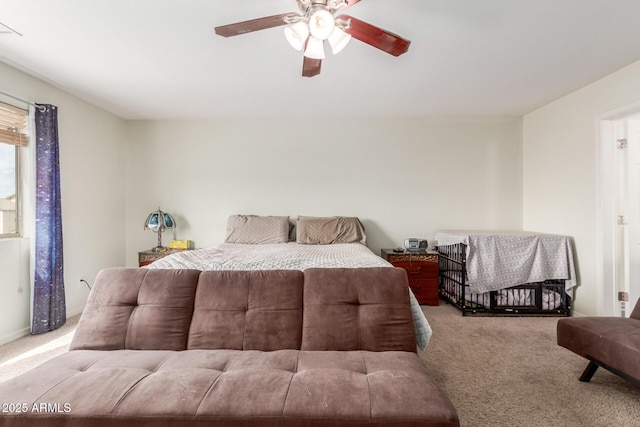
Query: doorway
point(619, 179)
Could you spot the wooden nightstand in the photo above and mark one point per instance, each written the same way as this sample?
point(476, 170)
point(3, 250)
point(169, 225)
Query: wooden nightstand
point(147, 257)
point(422, 271)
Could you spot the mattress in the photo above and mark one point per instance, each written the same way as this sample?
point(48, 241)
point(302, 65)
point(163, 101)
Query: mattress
point(289, 256)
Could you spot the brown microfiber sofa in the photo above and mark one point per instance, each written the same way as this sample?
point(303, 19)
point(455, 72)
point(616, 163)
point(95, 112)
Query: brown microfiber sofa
point(610, 342)
point(323, 347)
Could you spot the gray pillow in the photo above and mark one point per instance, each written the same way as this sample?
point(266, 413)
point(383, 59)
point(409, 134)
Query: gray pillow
point(329, 230)
point(254, 229)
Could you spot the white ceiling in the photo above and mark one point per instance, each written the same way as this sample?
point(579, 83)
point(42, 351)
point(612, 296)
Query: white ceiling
point(160, 59)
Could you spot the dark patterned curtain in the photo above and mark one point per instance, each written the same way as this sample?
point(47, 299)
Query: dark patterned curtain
point(49, 309)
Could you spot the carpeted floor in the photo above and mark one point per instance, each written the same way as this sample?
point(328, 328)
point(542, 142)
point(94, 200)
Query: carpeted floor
point(510, 372)
point(25, 353)
point(497, 372)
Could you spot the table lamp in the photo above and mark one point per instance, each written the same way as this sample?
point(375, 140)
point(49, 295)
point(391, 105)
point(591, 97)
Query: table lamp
point(159, 221)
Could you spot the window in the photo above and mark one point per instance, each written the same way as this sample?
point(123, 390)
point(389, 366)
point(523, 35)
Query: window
point(13, 136)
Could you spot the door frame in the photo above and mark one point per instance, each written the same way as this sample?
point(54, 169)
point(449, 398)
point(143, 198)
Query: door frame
point(607, 210)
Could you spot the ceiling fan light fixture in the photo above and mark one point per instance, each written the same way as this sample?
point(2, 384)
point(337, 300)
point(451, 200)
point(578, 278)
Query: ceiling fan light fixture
point(315, 48)
point(321, 24)
point(297, 35)
point(338, 40)
point(308, 29)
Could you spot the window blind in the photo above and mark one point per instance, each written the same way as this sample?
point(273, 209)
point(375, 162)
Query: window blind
point(13, 125)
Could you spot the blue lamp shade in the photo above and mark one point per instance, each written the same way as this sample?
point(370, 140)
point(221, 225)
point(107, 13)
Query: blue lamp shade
point(159, 221)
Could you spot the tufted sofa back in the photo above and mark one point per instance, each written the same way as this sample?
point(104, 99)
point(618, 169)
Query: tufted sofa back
point(140, 309)
point(247, 310)
point(357, 309)
point(318, 309)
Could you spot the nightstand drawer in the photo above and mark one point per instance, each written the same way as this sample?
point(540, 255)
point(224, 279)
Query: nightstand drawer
point(145, 262)
point(418, 270)
point(422, 272)
point(425, 291)
point(147, 257)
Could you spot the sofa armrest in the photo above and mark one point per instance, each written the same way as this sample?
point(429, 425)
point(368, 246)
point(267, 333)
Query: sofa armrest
point(635, 314)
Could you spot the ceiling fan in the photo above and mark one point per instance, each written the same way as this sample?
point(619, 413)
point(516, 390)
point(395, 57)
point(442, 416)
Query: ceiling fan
point(317, 23)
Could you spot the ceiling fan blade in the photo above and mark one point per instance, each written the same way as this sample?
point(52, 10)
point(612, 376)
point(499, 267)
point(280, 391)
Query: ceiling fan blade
point(384, 40)
point(311, 67)
point(253, 25)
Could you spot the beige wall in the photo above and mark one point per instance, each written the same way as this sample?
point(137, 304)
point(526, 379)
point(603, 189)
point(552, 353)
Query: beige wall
point(560, 174)
point(405, 177)
point(92, 181)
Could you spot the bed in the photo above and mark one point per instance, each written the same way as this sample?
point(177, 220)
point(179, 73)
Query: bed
point(506, 272)
point(325, 242)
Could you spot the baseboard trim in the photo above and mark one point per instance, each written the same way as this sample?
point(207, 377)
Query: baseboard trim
point(27, 330)
point(15, 335)
point(74, 311)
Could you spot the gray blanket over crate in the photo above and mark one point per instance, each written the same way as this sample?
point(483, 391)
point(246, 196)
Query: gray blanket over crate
point(501, 259)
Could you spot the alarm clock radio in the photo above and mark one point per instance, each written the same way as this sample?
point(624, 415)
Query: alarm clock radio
point(415, 245)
